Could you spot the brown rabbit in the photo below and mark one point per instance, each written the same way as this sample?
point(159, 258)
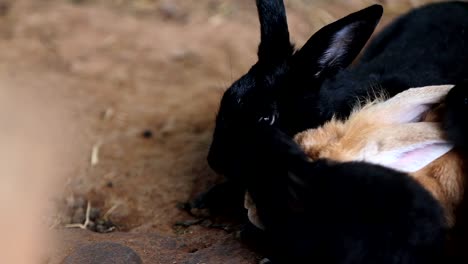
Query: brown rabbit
point(402, 133)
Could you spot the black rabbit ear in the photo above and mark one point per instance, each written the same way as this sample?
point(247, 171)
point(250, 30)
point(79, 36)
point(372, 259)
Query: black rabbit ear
point(274, 42)
point(336, 45)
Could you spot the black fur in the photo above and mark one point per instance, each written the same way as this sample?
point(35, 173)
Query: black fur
point(290, 91)
point(456, 116)
point(284, 91)
point(295, 91)
point(346, 213)
point(322, 212)
point(274, 34)
point(428, 46)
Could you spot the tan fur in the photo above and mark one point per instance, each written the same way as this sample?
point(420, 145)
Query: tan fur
point(444, 178)
point(374, 128)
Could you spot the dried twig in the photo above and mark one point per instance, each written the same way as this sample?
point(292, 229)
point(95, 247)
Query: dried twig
point(55, 223)
point(112, 209)
point(108, 113)
point(95, 154)
point(85, 224)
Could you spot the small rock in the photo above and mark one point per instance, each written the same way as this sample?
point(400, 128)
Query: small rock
point(91, 226)
point(104, 226)
point(94, 214)
point(103, 253)
point(104, 229)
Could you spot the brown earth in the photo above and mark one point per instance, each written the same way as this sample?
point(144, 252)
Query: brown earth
point(107, 72)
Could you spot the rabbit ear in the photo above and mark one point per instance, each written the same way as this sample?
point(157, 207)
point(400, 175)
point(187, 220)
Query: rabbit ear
point(336, 45)
point(274, 42)
point(404, 142)
point(407, 147)
point(408, 106)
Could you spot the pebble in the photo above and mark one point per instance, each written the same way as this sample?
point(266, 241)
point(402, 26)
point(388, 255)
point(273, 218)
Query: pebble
point(103, 253)
point(104, 226)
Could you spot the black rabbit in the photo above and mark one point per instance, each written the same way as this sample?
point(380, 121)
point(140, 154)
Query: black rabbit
point(263, 94)
point(282, 88)
point(325, 212)
point(295, 90)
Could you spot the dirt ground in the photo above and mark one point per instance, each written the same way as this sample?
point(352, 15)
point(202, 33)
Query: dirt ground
point(132, 88)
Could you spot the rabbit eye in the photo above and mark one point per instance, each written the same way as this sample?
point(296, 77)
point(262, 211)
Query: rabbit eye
point(268, 119)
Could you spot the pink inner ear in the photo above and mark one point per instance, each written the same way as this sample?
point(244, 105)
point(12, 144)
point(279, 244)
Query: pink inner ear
point(412, 158)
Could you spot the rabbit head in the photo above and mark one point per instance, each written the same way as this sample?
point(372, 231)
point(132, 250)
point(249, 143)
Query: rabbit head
point(282, 88)
point(389, 133)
